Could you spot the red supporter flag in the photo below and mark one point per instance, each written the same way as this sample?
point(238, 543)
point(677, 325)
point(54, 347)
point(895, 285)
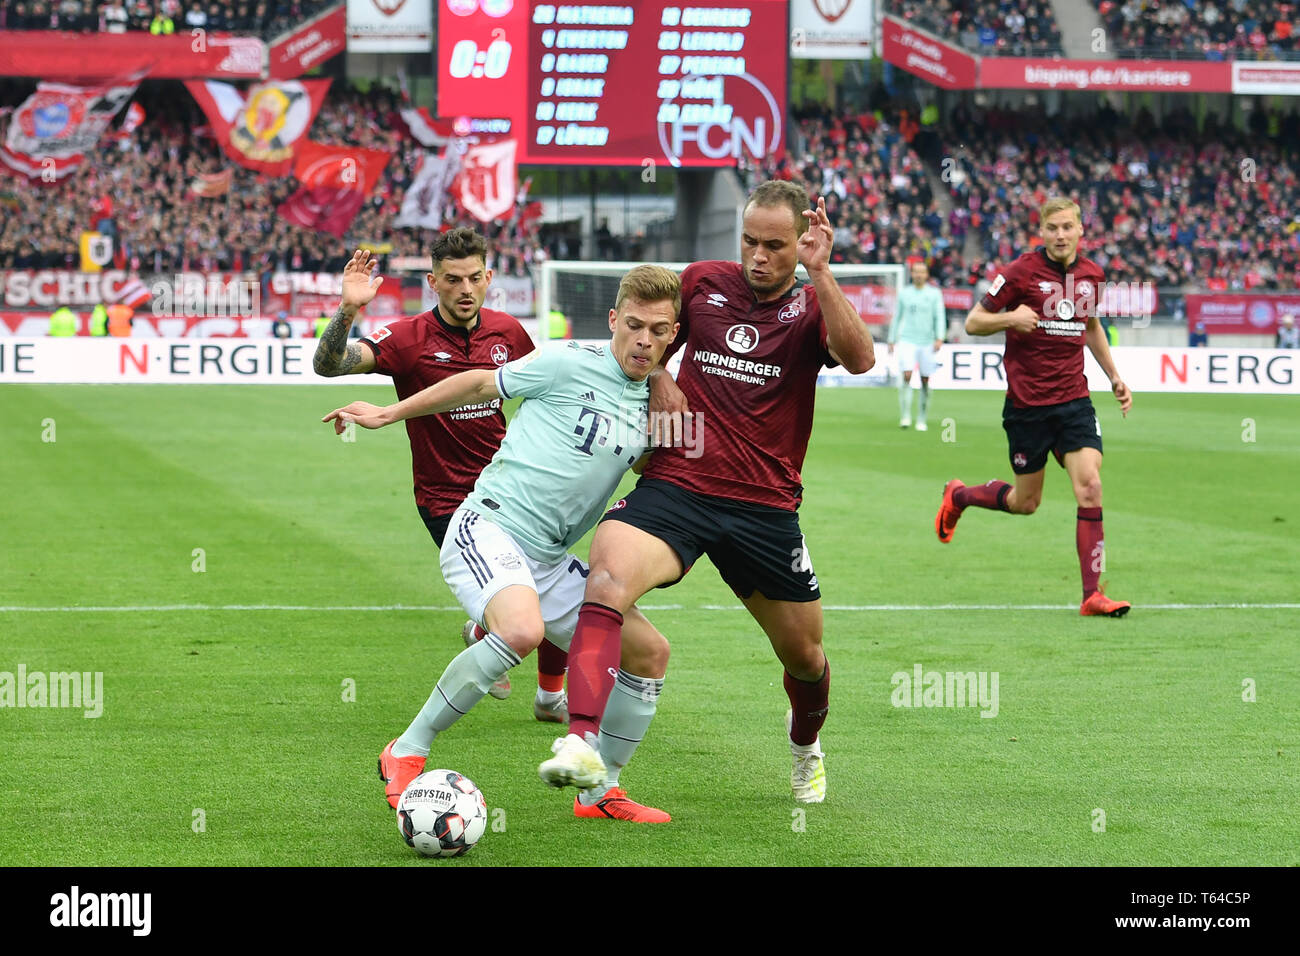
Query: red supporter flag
point(133, 293)
point(487, 183)
point(335, 182)
point(213, 185)
point(261, 131)
point(53, 129)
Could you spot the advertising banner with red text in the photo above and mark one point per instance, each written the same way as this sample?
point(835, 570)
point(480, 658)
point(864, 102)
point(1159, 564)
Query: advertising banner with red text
point(86, 56)
point(925, 56)
point(1240, 314)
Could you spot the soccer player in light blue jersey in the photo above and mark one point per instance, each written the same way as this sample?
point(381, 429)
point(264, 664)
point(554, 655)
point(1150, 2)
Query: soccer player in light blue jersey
point(918, 329)
point(582, 424)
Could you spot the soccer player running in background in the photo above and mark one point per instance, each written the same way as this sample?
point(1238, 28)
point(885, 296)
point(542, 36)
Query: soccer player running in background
point(1052, 294)
point(918, 328)
point(447, 451)
point(755, 339)
point(581, 425)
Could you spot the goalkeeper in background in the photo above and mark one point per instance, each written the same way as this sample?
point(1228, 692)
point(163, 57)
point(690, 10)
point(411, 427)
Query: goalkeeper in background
point(918, 329)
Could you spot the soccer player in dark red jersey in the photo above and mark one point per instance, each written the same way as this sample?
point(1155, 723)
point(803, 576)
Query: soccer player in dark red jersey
point(755, 339)
point(1052, 295)
point(447, 451)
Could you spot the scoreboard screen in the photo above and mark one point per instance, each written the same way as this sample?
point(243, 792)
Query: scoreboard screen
point(621, 84)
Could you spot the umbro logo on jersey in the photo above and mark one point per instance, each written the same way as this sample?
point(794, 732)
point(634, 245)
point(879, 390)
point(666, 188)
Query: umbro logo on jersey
point(442, 356)
point(1045, 288)
point(742, 338)
point(718, 299)
point(588, 396)
point(499, 354)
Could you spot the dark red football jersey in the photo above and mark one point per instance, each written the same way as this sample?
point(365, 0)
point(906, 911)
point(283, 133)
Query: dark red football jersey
point(448, 450)
point(750, 369)
point(1045, 366)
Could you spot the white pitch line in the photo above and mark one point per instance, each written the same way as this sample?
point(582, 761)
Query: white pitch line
point(163, 608)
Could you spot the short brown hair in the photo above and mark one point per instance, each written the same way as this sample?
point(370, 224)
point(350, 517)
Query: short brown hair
point(651, 284)
point(779, 192)
point(1059, 204)
point(459, 243)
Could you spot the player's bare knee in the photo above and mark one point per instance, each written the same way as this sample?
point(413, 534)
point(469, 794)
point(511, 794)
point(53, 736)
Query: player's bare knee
point(605, 587)
point(1088, 493)
point(522, 636)
point(1027, 505)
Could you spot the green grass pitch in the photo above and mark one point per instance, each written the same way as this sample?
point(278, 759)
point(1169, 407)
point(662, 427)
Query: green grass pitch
point(230, 719)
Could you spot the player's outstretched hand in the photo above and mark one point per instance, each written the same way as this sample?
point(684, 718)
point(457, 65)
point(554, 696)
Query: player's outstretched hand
point(1023, 319)
point(1122, 395)
point(363, 413)
point(814, 247)
point(359, 280)
point(668, 410)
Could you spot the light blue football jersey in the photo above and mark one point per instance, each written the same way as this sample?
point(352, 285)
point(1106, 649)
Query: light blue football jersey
point(582, 424)
point(919, 317)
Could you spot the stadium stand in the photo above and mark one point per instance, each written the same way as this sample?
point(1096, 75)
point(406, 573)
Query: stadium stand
point(266, 18)
point(1156, 207)
point(1230, 29)
point(986, 26)
point(142, 186)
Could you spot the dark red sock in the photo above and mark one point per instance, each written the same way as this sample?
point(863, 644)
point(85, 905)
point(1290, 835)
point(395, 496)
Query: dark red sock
point(551, 663)
point(1092, 547)
point(809, 701)
point(593, 662)
point(992, 494)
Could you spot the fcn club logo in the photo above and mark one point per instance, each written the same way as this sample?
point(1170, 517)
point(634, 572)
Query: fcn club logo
point(832, 10)
point(499, 354)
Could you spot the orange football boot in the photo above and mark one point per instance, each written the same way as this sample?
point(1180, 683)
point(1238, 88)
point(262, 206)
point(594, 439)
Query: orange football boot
point(945, 522)
point(398, 772)
point(615, 805)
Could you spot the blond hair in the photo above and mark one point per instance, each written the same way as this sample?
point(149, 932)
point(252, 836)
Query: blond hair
point(1059, 204)
point(647, 284)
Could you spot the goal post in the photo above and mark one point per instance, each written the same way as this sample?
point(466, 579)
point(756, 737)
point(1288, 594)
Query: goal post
point(585, 291)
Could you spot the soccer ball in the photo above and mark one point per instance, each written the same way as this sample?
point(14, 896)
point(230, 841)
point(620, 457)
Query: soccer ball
point(441, 813)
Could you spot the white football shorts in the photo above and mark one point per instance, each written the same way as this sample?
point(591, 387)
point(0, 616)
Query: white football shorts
point(480, 558)
point(909, 356)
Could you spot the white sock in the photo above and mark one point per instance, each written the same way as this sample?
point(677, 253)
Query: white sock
point(924, 401)
point(905, 399)
point(549, 697)
point(463, 684)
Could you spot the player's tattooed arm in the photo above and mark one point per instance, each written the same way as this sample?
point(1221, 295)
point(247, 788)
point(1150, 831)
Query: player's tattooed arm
point(335, 355)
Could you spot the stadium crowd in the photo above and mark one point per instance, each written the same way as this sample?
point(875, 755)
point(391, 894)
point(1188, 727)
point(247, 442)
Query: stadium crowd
point(987, 26)
point(264, 18)
point(1230, 29)
point(1163, 202)
point(877, 191)
point(1174, 207)
point(1166, 202)
point(141, 185)
point(1214, 29)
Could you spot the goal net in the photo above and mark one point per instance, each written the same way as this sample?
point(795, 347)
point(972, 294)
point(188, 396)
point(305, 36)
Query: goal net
point(584, 292)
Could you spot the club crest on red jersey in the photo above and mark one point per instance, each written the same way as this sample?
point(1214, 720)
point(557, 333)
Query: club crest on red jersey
point(790, 312)
point(742, 338)
point(499, 354)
